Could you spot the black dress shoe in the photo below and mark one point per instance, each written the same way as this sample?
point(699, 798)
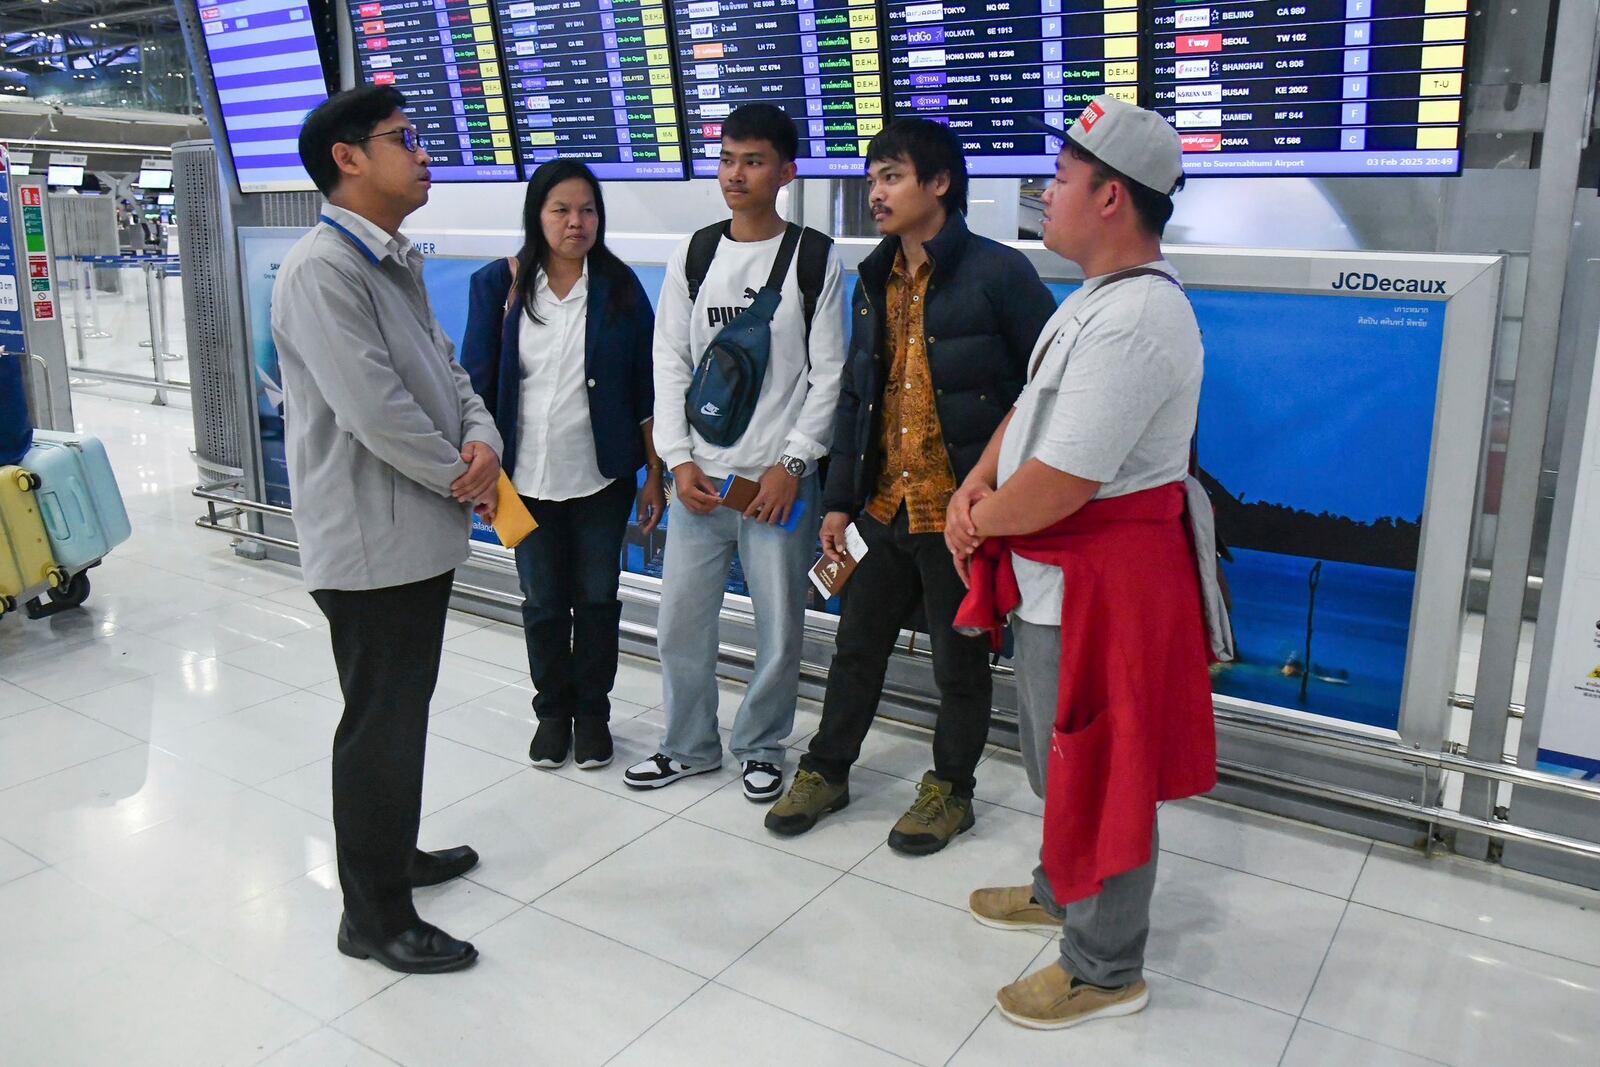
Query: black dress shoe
point(552, 743)
point(591, 744)
point(433, 868)
point(423, 949)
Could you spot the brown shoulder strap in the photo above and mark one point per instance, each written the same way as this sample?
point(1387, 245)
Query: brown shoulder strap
point(1138, 272)
point(1120, 276)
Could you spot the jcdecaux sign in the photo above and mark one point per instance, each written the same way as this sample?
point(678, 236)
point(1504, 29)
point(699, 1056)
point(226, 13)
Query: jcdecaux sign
point(1367, 282)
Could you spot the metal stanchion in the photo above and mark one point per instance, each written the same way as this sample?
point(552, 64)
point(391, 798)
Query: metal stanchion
point(163, 272)
point(158, 338)
point(95, 331)
point(148, 342)
point(77, 317)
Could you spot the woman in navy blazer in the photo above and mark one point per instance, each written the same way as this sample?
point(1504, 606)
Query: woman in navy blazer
point(558, 344)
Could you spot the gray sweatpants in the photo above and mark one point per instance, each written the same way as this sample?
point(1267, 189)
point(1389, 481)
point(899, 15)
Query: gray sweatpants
point(1102, 937)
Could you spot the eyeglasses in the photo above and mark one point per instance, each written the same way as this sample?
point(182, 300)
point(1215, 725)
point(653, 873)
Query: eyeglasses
point(407, 135)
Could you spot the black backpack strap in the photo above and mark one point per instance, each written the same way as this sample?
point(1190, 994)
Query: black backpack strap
point(702, 250)
point(814, 248)
point(785, 257)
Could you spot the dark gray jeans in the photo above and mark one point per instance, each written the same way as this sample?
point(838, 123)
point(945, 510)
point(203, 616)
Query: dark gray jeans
point(1103, 937)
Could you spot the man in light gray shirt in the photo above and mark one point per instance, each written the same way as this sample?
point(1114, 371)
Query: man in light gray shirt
point(1101, 433)
point(389, 452)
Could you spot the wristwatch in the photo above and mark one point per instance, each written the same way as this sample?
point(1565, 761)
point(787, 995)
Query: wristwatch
point(796, 467)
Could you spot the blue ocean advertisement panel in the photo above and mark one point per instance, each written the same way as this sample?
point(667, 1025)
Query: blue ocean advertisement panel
point(1316, 423)
point(259, 258)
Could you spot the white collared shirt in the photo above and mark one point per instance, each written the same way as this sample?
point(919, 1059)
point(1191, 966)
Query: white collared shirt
point(555, 445)
point(377, 240)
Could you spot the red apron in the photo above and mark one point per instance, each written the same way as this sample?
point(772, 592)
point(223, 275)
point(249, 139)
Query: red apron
point(1134, 722)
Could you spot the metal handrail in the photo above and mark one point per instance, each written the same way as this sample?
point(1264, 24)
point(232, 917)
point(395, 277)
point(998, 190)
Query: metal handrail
point(1309, 734)
point(1428, 812)
point(210, 493)
point(44, 365)
point(1468, 702)
point(119, 378)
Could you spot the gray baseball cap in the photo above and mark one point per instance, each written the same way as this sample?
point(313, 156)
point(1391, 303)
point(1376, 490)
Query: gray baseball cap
point(1132, 140)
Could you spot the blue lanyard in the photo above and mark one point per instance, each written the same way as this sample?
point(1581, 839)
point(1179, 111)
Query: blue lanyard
point(353, 239)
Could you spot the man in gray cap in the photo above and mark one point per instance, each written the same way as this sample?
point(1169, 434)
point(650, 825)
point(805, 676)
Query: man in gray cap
point(1080, 493)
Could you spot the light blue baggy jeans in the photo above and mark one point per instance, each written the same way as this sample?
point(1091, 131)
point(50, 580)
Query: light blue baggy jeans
point(699, 552)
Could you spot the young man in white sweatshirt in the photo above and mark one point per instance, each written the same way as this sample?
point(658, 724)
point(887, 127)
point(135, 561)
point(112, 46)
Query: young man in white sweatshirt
point(790, 430)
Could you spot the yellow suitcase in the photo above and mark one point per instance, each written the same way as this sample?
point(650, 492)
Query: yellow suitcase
point(26, 565)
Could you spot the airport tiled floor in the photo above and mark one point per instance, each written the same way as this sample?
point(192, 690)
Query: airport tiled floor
point(169, 898)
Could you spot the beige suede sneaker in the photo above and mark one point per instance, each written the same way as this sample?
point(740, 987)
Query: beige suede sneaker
point(1052, 999)
point(1011, 907)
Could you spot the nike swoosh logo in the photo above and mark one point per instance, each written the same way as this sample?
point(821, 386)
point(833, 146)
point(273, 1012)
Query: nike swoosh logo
point(708, 408)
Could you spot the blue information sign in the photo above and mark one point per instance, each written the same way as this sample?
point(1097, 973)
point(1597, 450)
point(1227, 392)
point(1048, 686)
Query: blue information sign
point(16, 432)
point(11, 338)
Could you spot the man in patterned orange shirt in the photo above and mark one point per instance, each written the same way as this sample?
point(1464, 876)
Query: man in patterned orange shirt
point(943, 324)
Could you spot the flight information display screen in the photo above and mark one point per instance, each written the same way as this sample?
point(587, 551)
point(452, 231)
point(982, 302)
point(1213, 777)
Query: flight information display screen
point(821, 61)
point(592, 80)
point(268, 75)
point(984, 66)
point(1312, 86)
point(442, 55)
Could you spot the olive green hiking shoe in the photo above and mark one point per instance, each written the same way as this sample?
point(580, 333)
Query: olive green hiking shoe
point(936, 817)
point(810, 797)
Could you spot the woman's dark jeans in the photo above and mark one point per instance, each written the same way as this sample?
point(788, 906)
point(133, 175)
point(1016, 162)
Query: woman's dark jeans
point(569, 570)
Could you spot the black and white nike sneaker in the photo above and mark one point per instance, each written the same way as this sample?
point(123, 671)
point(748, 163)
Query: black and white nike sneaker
point(660, 770)
point(763, 782)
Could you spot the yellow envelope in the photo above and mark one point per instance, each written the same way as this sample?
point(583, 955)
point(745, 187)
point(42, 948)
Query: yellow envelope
point(512, 523)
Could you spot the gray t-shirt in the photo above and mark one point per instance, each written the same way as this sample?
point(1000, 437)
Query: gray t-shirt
point(1113, 401)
